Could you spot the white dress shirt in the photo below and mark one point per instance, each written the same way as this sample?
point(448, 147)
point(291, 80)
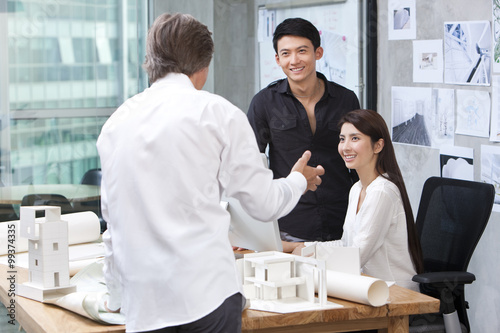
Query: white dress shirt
point(379, 231)
point(167, 154)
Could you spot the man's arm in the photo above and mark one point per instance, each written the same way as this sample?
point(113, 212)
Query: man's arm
point(113, 303)
point(244, 177)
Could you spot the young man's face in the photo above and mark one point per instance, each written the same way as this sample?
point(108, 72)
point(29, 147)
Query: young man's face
point(297, 57)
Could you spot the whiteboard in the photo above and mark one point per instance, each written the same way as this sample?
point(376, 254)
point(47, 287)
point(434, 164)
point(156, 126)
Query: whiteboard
point(338, 25)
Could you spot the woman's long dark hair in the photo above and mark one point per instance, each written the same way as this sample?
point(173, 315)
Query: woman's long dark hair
point(372, 124)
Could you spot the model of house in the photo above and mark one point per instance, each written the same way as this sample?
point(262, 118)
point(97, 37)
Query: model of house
point(281, 282)
point(48, 254)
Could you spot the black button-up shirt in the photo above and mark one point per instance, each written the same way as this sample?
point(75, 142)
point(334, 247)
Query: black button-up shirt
point(280, 120)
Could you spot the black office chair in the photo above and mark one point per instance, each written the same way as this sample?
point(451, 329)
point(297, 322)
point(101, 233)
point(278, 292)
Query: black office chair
point(45, 199)
point(450, 221)
point(92, 177)
point(8, 213)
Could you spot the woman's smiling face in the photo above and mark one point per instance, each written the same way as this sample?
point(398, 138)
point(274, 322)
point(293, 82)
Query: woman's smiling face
point(357, 149)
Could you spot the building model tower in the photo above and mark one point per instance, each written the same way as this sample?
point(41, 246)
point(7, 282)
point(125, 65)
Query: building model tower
point(48, 254)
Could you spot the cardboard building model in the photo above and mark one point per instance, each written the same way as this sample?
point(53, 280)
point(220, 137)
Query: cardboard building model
point(48, 254)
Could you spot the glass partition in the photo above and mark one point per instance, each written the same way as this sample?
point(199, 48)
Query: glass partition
point(67, 67)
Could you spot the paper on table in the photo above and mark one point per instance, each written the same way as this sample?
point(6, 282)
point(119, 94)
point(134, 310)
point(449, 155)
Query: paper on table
point(89, 298)
point(343, 278)
point(83, 227)
point(357, 288)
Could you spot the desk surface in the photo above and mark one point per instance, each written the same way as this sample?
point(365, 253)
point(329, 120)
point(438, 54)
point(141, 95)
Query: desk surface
point(74, 192)
point(390, 318)
point(38, 317)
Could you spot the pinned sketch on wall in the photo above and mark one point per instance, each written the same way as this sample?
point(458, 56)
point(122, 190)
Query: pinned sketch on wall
point(428, 61)
point(457, 162)
point(408, 108)
point(490, 170)
point(402, 19)
point(495, 110)
point(334, 61)
point(496, 35)
point(442, 117)
point(473, 113)
point(339, 32)
point(266, 25)
point(467, 52)
point(423, 116)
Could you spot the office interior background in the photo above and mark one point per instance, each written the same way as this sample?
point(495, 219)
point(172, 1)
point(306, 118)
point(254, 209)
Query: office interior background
point(66, 65)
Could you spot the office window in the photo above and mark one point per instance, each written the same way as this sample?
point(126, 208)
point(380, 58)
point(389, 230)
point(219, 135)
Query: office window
point(68, 66)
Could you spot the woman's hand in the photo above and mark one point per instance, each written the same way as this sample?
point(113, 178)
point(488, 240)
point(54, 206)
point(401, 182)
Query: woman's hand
point(298, 249)
point(292, 247)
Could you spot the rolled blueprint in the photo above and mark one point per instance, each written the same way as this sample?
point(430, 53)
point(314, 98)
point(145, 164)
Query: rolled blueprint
point(83, 227)
point(357, 288)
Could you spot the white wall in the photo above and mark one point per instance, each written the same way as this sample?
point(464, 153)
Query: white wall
point(418, 163)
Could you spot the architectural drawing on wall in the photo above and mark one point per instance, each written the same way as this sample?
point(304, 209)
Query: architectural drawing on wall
point(473, 112)
point(457, 162)
point(442, 119)
point(48, 254)
point(334, 61)
point(423, 116)
point(467, 52)
point(496, 35)
point(408, 111)
point(402, 19)
point(495, 110)
point(266, 25)
point(490, 170)
point(428, 61)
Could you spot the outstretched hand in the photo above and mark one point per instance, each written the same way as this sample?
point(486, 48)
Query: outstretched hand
point(312, 174)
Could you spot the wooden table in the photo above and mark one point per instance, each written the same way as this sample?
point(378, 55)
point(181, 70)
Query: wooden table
point(391, 318)
point(74, 192)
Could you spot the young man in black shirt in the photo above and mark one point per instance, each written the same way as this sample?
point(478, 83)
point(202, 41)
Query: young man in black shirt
point(301, 112)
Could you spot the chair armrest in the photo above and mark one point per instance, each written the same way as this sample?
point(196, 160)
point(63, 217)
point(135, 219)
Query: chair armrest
point(447, 278)
point(443, 285)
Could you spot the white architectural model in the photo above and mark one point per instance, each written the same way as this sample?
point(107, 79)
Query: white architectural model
point(48, 254)
point(281, 282)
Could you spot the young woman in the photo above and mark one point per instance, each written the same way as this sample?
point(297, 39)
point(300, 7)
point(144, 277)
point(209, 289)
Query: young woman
point(379, 219)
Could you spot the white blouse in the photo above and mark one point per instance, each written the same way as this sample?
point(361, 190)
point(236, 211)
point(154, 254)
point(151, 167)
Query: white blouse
point(167, 155)
point(379, 231)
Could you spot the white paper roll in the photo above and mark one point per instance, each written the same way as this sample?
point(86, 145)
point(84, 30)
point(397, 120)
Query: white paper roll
point(83, 227)
point(357, 288)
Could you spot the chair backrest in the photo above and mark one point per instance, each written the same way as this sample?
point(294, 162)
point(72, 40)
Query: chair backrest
point(7, 213)
point(92, 177)
point(41, 199)
point(451, 218)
